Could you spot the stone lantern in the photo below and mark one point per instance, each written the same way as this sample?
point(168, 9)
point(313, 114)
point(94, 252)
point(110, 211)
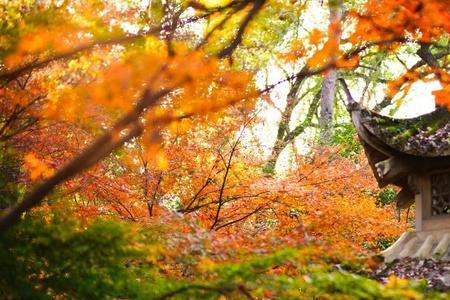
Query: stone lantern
point(413, 154)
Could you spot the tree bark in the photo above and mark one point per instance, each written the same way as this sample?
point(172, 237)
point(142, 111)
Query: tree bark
point(283, 127)
point(286, 136)
point(329, 82)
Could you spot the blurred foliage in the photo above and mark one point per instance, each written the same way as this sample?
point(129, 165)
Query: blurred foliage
point(53, 256)
point(345, 136)
point(47, 257)
point(386, 197)
point(10, 189)
point(383, 244)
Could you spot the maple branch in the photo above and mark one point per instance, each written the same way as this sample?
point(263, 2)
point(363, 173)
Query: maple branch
point(427, 58)
point(15, 115)
point(89, 157)
point(307, 72)
point(14, 73)
point(170, 26)
point(130, 214)
point(227, 200)
point(425, 54)
point(227, 170)
point(207, 182)
point(227, 51)
point(241, 218)
point(433, 59)
point(349, 175)
point(224, 181)
point(115, 200)
point(151, 202)
point(357, 50)
point(10, 75)
point(221, 23)
point(188, 207)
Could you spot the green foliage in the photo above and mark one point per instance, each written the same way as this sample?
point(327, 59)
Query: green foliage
point(44, 259)
point(386, 197)
point(59, 257)
point(383, 244)
point(343, 285)
point(256, 278)
point(235, 280)
point(10, 190)
point(268, 169)
point(345, 136)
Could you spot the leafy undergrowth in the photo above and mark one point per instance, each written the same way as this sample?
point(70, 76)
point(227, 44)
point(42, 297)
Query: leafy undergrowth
point(64, 258)
point(310, 238)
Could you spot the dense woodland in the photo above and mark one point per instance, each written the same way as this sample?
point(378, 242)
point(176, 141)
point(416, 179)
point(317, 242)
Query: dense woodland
point(202, 149)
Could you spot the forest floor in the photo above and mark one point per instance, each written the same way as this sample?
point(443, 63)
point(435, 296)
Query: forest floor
point(436, 273)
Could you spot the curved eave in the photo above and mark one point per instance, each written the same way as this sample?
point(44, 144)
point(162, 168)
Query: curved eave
point(424, 136)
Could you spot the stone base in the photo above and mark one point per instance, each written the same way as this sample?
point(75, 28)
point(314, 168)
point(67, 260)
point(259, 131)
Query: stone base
point(434, 244)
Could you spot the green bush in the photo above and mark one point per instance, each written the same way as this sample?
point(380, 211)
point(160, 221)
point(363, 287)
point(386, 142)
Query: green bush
point(47, 259)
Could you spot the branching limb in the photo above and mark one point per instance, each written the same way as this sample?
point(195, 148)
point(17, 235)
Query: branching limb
point(129, 124)
point(10, 75)
point(426, 55)
point(227, 51)
point(219, 25)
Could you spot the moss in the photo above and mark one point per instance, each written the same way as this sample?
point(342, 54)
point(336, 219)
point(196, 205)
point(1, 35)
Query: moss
point(403, 129)
point(406, 134)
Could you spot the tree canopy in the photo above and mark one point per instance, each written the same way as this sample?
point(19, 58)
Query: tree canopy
point(140, 157)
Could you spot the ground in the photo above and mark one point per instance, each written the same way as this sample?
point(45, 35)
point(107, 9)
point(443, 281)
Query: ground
point(436, 273)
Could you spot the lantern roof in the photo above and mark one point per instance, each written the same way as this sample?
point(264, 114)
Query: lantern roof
point(424, 136)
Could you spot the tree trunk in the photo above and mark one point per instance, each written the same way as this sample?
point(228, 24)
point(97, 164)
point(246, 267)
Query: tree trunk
point(283, 127)
point(285, 135)
point(329, 81)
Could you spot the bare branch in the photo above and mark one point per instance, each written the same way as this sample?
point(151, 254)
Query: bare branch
point(227, 51)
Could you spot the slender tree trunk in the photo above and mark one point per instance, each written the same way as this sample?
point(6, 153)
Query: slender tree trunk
point(327, 107)
point(283, 127)
point(329, 81)
point(279, 146)
point(285, 135)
